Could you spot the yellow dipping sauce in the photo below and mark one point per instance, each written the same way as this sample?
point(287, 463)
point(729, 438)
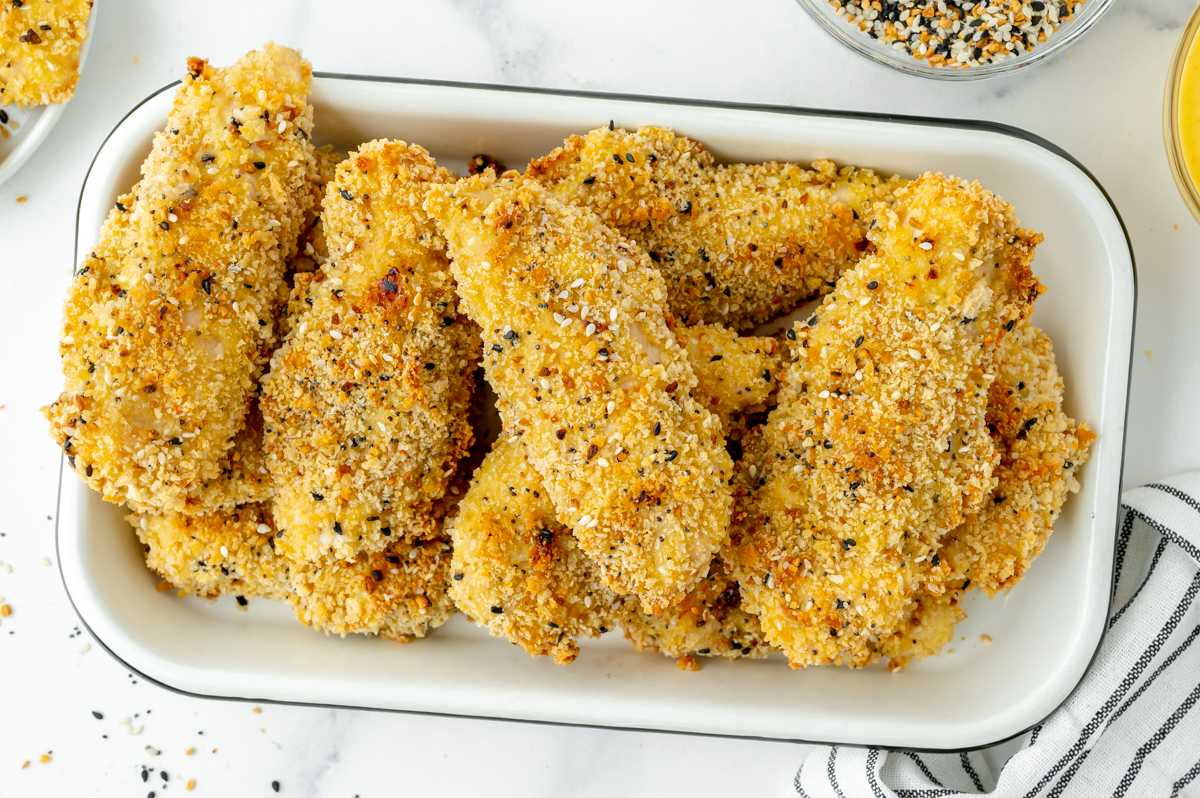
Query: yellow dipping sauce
point(1187, 112)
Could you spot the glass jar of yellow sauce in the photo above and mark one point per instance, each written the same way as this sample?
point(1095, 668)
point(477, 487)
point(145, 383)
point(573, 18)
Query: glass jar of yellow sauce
point(1181, 115)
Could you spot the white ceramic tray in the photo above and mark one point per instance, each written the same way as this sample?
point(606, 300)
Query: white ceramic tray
point(1045, 632)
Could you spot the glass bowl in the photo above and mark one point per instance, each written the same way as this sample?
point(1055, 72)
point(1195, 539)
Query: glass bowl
point(1183, 177)
point(825, 15)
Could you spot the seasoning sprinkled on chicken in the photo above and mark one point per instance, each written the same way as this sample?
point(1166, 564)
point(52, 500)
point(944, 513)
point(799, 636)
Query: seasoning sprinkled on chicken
point(591, 382)
point(366, 404)
point(170, 319)
point(879, 445)
point(737, 244)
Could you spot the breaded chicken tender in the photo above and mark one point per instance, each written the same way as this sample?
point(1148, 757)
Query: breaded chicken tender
point(223, 553)
point(170, 318)
point(40, 42)
point(517, 570)
point(400, 593)
point(738, 244)
point(591, 382)
point(879, 444)
point(1041, 449)
point(366, 404)
point(710, 620)
point(925, 629)
point(736, 374)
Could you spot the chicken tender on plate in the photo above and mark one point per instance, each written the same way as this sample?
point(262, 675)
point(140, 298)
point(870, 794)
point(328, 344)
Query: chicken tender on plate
point(400, 592)
point(171, 317)
point(710, 621)
point(223, 553)
point(366, 406)
point(40, 44)
point(1041, 449)
point(517, 570)
point(591, 382)
point(879, 445)
point(736, 374)
point(738, 244)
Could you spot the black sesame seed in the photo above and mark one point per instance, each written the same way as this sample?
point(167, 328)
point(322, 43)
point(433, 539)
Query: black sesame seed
point(587, 181)
point(206, 284)
point(508, 336)
point(458, 577)
point(3, 117)
point(275, 786)
point(1010, 324)
point(687, 208)
point(629, 157)
point(617, 158)
point(497, 348)
point(1067, 464)
point(1029, 424)
point(654, 256)
point(447, 321)
point(164, 225)
point(936, 561)
point(671, 455)
point(767, 376)
point(386, 531)
point(497, 610)
point(97, 715)
point(337, 527)
point(430, 366)
point(318, 497)
point(848, 543)
point(260, 164)
point(120, 207)
point(873, 285)
point(715, 358)
point(658, 429)
point(377, 575)
point(998, 499)
point(791, 335)
point(812, 322)
point(610, 124)
point(346, 195)
point(242, 601)
point(88, 470)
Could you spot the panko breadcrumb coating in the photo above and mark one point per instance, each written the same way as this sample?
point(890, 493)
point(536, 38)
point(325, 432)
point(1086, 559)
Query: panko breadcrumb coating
point(517, 570)
point(224, 553)
point(925, 629)
point(311, 250)
point(738, 244)
point(735, 374)
point(591, 382)
point(1041, 449)
point(520, 573)
point(710, 620)
point(366, 404)
point(40, 42)
point(400, 592)
point(879, 444)
point(170, 318)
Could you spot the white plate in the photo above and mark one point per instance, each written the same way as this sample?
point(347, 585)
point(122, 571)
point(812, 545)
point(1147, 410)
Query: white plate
point(1045, 631)
point(27, 129)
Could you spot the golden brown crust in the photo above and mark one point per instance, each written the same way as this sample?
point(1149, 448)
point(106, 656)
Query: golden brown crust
point(518, 571)
point(400, 592)
point(1041, 449)
point(591, 382)
point(223, 553)
point(40, 42)
point(879, 445)
point(169, 319)
point(738, 244)
point(710, 621)
point(366, 404)
point(735, 374)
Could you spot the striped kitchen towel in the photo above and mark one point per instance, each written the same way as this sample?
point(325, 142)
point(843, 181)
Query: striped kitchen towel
point(1131, 728)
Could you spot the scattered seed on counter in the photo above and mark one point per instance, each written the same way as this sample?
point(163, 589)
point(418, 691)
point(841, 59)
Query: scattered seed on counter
point(22, 199)
point(5, 610)
point(85, 648)
point(958, 34)
point(191, 783)
point(45, 758)
point(152, 751)
point(985, 638)
point(46, 561)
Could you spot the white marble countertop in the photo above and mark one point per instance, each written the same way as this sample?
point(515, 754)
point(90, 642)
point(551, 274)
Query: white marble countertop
point(1102, 102)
